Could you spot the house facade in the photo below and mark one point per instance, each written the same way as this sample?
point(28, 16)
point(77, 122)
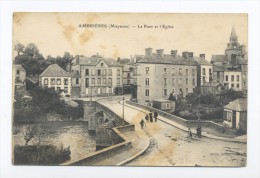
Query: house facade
point(205, 70)
point(159, 75)
point(56, 78)
point(20, 77)
point(235, 114)
point(98, 75)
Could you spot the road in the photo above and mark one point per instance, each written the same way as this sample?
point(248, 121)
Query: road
point(169, 146)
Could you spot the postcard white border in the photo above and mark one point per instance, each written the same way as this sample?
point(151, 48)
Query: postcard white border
point(7, 170)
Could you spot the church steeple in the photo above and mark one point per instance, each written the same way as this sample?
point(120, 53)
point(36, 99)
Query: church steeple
point(233, 36)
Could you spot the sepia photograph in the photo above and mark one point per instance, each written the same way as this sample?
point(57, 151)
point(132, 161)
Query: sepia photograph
point(130, 89)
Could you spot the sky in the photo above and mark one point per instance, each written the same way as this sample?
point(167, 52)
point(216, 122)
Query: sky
point(55, 33)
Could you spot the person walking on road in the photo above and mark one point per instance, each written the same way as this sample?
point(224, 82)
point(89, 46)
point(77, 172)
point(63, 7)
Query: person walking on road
point(199, 132)
point(151, 116)
point(142, 123)
point(155, 116)
point(189, 133)
point(147, 118)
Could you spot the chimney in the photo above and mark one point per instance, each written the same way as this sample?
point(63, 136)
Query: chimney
point(148, 51)
point(202, 56)
point(174, 52)
point(190, 54)
point(185, 54)
point(77, 59)
point(160, 52)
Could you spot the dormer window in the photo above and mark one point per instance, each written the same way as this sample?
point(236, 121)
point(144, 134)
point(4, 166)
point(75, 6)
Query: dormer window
point(102, 64)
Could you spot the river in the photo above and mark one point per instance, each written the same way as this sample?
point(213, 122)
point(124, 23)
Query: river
point(60, 134)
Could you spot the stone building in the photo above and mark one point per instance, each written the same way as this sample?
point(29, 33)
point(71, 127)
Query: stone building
point(160, 74)
point(98, 75)
point(19, 81)
point(232, 64)
point(56, 78)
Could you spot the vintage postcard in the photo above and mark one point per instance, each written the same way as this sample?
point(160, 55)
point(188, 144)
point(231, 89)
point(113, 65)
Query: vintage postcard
point(130, 89)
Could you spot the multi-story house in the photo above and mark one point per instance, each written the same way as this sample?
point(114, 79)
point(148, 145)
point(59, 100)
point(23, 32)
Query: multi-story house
point(56, 78)
point(99, 76)
point(233, 65)
point(205, 70)
point(160, 74)
point(20, 76)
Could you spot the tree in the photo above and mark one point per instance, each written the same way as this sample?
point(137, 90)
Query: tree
point(19, 48)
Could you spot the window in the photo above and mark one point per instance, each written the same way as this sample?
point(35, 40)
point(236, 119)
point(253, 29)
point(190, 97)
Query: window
point(118, 81)
point(237, 85)
point(110, 81)
point(232, 78)
point(210, 72)
point(104, 81)
point(165, 92)
point(109, 72)
point(86, 72)
point(147, 81)
point(146, 92)
point(104, 72)
point(180, 71)
point(187, 72)
point(77, 80)
point(203, 71)
point(18, 87)
point(147, 70)
point(180, 91)
point(187, 90)
point(193, 81)
point(58, 89)
point(165, 69)
point(46, 81)
point(173, 81)
point(226, 77)
point(53, 81)
point(173, 71)
point(180, 81)
point(99, 72)
point(244, 84)
point(168, 106)
point(187, 81)
point(99, 81)
point(218, 76)
point(66, 81)
point(118, 72)
point(165, 81)
point(92, 72)
point(58, 81)
point(128, 75)
point(93, 82)
point(193, 72)
point(102, 64)
point(204, 79)
point(232, 85)
point(237, 77)
point(17, 72)
point(65, 89)
point(87, 82)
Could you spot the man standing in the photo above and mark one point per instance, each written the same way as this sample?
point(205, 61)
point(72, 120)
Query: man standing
point(142, 123)
point(147, 118)
point(155, 116)
point(151, 116)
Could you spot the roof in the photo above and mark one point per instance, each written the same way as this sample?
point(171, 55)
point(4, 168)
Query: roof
point(167, 59)
point(218, 68)
point(33, 79)
point(239, 104)
point(95, 59)
point(218, 58)
point(19, 67)
point(214, 84)
point(54, 70)
point(202, 61)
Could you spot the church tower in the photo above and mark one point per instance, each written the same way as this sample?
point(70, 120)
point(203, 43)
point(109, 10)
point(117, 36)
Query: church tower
point(234, 50)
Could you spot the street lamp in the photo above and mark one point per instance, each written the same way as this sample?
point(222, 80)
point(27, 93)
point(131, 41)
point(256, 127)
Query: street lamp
point(124, 109)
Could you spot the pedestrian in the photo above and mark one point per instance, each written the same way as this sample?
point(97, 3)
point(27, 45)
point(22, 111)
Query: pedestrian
point(155, 116)
point(189, 133)
point(142, 123)
point(151, 116)
point(147, 118)
point(198, 132)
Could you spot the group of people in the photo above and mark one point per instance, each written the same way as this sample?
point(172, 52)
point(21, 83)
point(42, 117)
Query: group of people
point(198, 134)
point(149, 118)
